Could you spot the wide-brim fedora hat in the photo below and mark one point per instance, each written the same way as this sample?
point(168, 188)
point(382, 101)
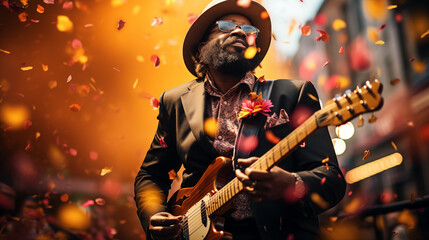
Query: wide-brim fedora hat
point(256, 13)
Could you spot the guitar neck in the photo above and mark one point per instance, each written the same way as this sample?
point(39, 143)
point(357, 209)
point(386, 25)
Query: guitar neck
point(265, 162)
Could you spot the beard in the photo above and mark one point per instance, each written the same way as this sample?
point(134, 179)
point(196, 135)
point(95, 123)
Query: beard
point(216, 55)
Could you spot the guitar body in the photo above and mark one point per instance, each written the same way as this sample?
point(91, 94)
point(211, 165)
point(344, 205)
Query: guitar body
point(190, 202)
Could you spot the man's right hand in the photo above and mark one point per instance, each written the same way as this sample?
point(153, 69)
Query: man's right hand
point(164, 225)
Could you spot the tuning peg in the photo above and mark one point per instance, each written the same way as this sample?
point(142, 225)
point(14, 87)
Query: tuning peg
point(337, 101)
point(358, 92)
point(372, 118)
point(339, 116)
point(360, 121)
point(351, 110)
point(347, 95)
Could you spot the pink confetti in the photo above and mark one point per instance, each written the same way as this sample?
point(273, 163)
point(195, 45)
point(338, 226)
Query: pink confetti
point(412, 59)
point(73, 152)
point(341, 51)
point(49, 1)
point(68, 5)
point(326, 63)
point(69, 78)
point(93, 155)
point(382, 27)
point(88, 25)
point(35, 20)
point(88, 203)
point(46, 202)
point(302, 145)
point(121, 24)
point(248, 144)
point(350, 193)
point(320, 19)
point(154, 103)
point(244, 3)
point(116, 69)
point(191, 18)
point(155, 59)
point(100, 201)
point(251, 39)
point(156, 22)
point(76, 44)
point(322, 181)
point(28, 146)
point(20, 94)
point(162, 142)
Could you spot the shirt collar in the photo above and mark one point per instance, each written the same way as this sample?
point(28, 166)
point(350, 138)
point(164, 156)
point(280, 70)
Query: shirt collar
point(210, 87)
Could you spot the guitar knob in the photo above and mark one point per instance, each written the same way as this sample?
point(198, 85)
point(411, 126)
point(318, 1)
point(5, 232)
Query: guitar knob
point(337, 102)
point(364, 104)
point(339, 116)
point(351, 110)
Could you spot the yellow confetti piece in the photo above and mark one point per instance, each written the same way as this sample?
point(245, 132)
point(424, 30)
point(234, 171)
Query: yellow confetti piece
point(40, 9)
point(338, 24)
point(250, 52)
point(26, 68)
point(313, 97)
point(424, 34)
point(325, 160)
point(365, 155)
point(373, 34)
point(135, 83)
point(372, 118)
point(45, 67)
point(392, 7)
point(23, 16)
point(380, 42)
point(5, 51)
point(317, 199)
point(394, 145)
point(64, 24)
point(52, 84)
point(37, 135)
point(105, 171)
point(210, 127)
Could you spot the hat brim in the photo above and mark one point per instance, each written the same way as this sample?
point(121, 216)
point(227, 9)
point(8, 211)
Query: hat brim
point(210, 15)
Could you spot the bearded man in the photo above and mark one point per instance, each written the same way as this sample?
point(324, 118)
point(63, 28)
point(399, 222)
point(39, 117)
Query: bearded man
point(213, 51)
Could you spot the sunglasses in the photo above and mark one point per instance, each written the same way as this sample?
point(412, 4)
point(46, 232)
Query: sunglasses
point(227, 27)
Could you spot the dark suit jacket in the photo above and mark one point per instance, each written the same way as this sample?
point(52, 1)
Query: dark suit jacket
point(181, 117)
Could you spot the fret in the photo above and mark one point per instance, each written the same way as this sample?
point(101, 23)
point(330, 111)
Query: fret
point(284, 147)
point(270, 160)
point(276, 154)
point(292, 141)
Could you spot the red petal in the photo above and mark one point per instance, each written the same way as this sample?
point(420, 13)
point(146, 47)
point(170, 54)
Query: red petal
point(154, 103)
point(155, 59)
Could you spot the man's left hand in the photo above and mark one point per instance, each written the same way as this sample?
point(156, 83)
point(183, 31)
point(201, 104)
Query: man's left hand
point(264, 185)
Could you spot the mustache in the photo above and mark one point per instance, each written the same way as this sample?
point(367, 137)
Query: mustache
point(233, 39)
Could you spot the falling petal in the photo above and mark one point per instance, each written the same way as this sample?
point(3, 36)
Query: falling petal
point(172, 174)
point(392, 7)
point(64, 24)
point(35, 20)
point(264, 15)
point(324, 36)
point(306, 30)
point(302, 145)
point(162, 142)
point(338, 24)
point(5, 51)
point(64, 197)
point(251, 39)
point(269, 135)
point(52, 84)
point(40, 9)
point(317, 199)
point(313, 97)
point(380, 42)
point(250, 52)
point(69, 78)
point(28, 146)
point(274, 36)
point(49, 1)
point(100, 201)
point(23, 16)
point(88, 203)
point(350, 193)
point(320, 19)
point(135, 83)
point(45, 67)
point(382, 27)
point(140, 58)
point(210, 127)
point(244, 3)
point(394, 146)
point(88, 25)
point(412, 59)
point(121, 24)
point(37, 135)
point(105, 171)
point(360, 121)
point(116, 69)
point(424, 34)
point(68, 5)
point(155, 60)
point(75, 107)
point(248, 144)
point(327, 166)
point(341, 51)
point(325, 160)
point(154, 103)
point(93, 155)
point(191, 18)
point(365, 155)
point(262, 79)
point(26, 68)
point(333, 219)
point(372, 118)
point(326, 63)
point(156, 22)
point(73, 152)
point(394, 81)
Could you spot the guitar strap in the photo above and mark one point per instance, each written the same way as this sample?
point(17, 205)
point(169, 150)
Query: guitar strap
point(251, 126)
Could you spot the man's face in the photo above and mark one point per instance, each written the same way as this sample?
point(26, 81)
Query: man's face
point(225, 51)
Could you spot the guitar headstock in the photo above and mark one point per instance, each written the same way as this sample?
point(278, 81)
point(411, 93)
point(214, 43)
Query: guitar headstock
point(342, 109)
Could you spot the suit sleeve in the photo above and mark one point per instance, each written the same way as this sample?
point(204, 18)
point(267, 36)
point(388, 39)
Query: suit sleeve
point(308, 161)
point(152, 183)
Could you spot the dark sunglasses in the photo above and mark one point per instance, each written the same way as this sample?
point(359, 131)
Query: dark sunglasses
point(227, 27)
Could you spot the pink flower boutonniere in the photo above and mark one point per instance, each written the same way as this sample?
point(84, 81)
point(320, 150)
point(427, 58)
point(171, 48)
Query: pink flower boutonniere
point(254, 105)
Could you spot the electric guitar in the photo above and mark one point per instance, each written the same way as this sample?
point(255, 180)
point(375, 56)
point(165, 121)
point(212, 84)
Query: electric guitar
point(203, 205)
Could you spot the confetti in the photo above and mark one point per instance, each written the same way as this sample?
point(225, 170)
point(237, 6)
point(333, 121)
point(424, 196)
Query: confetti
point(380, 42)
point(306, 30)
point(360, 121)
point(68, 5)
point(326, 63)
point(312, 97)
point(410, 124)
point(40, 9)
point(49, 1)
point(5, 51)
point(325, 160)
point(333, 219)
point(322, 181)
point(93, 155)
point(116, 69)
point(320, 19)
point(88, 203)
point(271, 137)
point(317, 199)
point(274, 36)
point(372, 118)
point(69, 78)
point(191, 18)
point(100, 201)
point(244, 3)
point(382, 27)
point(394, 145)
point(392, 7)
point(26, 68)
point(23, 16)
point(64, 197)
point(365, 155)
point(28, 146)
point(327, 166)
point(338, 24)
point(73, 152)
point(64, 24)
point(425, 34)
point(264, 15)
point(121, 24)
point(324, 36)
point(105, 171)
point(37, 135)
point(350, 193)
point(155, 60)
point(398, 17)
point(262, 79)
point(172, 174)
point(34, 20)
point(162, 142)
point(302, 145)
point(250, 52)
point(394, 81)
point(251, 39)
point(412, 59)
point(88, 25)
point(52, 84)
point(75, 107)
point(45, 67)
point(135, 83)
point(154, 103)
point(248, 144)
point(210, 127)
point(156, 22)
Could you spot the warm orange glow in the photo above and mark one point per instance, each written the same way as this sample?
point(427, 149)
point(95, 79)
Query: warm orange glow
point(14, 115)
point(250, 52)
point(367, 170)
point(210, 127)
point(71, 217)
point(375, 9)
point(64, 24)
point(338, 24)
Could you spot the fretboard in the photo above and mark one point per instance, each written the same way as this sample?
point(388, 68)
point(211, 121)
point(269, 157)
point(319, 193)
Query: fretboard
point(265, 162)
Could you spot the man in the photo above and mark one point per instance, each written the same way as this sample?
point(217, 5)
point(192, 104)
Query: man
point(213, 51)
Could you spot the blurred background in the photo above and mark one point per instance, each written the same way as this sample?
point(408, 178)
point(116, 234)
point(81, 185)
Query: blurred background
point(78, 82)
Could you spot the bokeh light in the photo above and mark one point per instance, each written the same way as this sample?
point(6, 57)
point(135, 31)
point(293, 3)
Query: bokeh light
point(345, 131)
point(339, 146)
